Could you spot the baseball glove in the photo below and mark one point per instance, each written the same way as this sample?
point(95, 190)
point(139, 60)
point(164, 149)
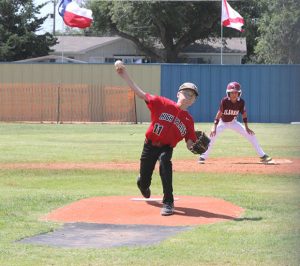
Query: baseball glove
point(201, 144)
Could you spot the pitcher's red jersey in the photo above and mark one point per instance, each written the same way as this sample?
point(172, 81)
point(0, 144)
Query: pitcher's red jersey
point(169, 124)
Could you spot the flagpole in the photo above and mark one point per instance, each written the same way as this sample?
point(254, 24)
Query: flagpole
point(221, 33)
point(63, 33)
point(221, 44)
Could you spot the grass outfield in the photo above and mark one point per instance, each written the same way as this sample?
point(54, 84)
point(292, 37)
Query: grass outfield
point(267, 234)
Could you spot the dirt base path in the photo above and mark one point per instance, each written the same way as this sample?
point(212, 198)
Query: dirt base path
point(214, 165)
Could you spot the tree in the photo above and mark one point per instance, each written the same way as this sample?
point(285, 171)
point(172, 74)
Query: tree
point(159, 29)
point(18, 26)
point(251, 11)
point(279, 35)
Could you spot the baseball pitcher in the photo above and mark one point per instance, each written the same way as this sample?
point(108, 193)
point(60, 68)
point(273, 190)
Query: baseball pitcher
point(170, 123)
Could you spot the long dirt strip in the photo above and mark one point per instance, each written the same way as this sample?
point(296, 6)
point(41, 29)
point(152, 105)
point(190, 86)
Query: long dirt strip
point(213, 165)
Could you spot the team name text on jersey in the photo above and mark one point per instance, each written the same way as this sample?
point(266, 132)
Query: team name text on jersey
point(231, 112)
point(166, 117)
point(170, 118)
point(181, 127)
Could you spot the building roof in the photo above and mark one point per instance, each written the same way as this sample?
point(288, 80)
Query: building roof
point(230, 45)
point(48, 58)
point(81, 44)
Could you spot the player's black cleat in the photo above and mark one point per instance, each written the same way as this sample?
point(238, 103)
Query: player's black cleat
point(145, 192)
point(265, 159)
point(201, 160)
point(167, 209)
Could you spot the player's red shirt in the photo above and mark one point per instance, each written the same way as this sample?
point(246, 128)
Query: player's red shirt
point(169, 124)
point(231, 110)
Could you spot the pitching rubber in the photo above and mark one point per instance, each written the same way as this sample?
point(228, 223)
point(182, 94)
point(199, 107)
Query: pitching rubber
point(150, 199)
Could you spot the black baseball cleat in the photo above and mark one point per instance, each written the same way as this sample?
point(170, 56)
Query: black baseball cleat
point(201, 160)
point(265, 159)
point(145, 192)
point(167, 209)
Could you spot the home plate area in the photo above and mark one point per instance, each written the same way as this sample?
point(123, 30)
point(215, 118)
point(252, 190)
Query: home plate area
point(114, 221)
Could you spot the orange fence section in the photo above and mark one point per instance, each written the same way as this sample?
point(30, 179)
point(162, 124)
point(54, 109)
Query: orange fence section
point(114, 104)
point(66, 103)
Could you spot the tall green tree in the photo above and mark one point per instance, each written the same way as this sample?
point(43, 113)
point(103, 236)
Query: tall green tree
point(160, 29)
point(251, 11)
point(19, 23)
point(171, 26)
point(279, 32)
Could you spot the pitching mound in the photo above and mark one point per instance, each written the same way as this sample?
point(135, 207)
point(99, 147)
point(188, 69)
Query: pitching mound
point(105, 222)
point(128, 210)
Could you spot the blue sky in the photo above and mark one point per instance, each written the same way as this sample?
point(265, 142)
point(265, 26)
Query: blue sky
point(48, 25)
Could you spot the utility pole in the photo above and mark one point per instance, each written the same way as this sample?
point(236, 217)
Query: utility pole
point(53, 16)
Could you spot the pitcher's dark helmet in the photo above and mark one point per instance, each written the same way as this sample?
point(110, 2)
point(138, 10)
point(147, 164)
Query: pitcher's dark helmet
point(189, 86)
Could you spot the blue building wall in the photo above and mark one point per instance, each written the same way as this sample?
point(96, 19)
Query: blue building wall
point(271, 92)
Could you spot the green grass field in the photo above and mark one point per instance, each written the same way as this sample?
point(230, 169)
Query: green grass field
point(267, 234)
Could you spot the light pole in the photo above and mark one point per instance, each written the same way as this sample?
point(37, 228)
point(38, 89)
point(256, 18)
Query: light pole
point(53, 16)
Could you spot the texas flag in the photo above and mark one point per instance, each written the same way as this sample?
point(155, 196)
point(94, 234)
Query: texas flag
point(231, 18)
point(75, 16)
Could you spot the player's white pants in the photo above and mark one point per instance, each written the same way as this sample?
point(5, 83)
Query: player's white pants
point(238, 127)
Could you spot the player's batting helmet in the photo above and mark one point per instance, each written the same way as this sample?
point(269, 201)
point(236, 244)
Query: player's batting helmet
point(189, 86)
point(234, 86)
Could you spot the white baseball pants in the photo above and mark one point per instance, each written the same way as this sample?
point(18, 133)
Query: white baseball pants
point(238, 127)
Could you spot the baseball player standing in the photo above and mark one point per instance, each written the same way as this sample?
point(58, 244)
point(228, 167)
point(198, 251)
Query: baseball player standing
point(170, 123)
point(230, 107)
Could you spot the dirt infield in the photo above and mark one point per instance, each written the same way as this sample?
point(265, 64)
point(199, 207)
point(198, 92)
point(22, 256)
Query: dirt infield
point(219, 165)
point(189, 210)
point(114, 221)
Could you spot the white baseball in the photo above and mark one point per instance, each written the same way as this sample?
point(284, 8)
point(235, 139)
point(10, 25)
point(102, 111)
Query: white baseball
point(119, 64)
